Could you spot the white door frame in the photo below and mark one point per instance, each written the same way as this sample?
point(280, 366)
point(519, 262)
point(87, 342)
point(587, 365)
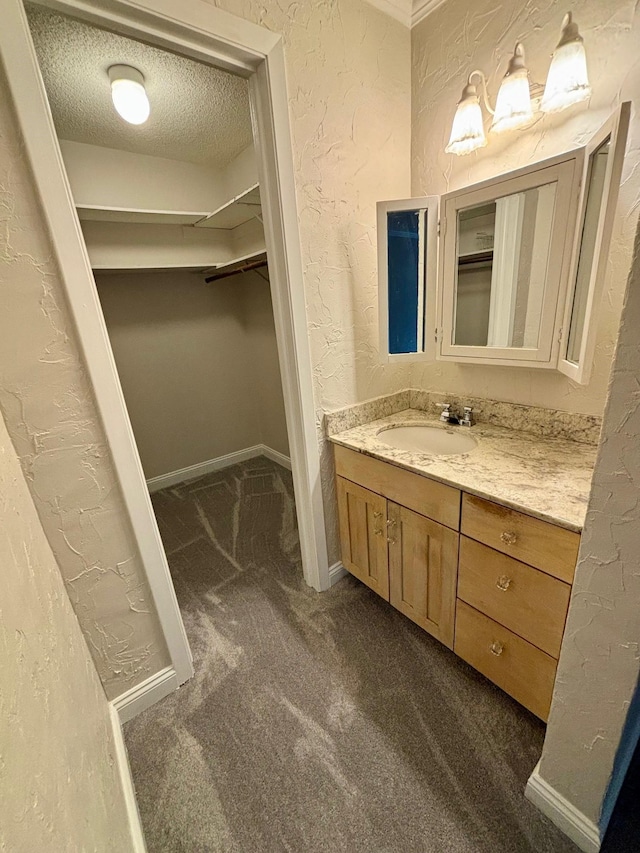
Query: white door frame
point(202, 32)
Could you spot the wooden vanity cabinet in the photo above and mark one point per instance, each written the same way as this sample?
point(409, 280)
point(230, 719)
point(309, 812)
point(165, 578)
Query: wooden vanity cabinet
point(514, 583)
point(407, 557)
point(363, 535)
point(489, 582)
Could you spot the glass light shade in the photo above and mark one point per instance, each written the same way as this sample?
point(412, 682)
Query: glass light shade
point(568, 81)
point(467, 131)
point(128, 94)
point(513, 105)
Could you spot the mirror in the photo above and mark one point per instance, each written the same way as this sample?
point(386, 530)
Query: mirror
point(405, 228)
point(594, 189)
point(407, 269)
point(503, 251)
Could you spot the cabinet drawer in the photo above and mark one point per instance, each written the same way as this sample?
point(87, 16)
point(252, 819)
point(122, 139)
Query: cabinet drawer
point(520, 669)
point(427, 497)
point(528, 602)
point(546, 546)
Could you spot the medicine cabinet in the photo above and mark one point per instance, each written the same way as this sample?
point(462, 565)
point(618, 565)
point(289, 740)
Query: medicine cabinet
point(508, 271)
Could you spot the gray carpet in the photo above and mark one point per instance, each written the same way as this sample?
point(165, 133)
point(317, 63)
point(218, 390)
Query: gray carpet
point(317, 722)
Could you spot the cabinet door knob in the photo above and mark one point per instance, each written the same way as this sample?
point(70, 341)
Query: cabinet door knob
point(509, 537)
point(496, 648)
point(503, 583)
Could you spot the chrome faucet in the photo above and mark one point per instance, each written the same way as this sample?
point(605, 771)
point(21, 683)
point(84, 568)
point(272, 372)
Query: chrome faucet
point(450, 418)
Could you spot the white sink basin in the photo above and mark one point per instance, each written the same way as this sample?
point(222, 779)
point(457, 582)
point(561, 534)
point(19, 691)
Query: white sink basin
point(427, 439)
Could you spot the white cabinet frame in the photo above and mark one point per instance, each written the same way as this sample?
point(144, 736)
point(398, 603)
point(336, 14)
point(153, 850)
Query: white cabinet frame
point(427, 274)
point(615, 129)
point(565, 171)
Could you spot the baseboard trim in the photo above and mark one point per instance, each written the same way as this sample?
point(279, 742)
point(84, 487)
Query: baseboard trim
point(336, 572)
point(172, 478)
point(138, 844)
point(575, 825)
point(275, 456)
point(132, 702)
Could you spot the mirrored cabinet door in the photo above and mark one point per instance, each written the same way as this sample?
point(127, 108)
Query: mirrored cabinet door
point(506, 246)
point(599, 195)
point(407, 270)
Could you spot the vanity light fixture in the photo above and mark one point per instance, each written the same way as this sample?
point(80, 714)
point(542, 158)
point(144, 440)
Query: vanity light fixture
point(128, 93)
point(568, 81)
point(513, 107)
point(513, 104)
point(467, 131)
point(567, 84)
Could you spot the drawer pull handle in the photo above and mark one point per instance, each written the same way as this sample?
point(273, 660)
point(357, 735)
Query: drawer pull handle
point(391, 541)
point(377, 515)
point(496, 648)
point(509, 537)
point(391, 522)
point(503, 583)
point(377, 531)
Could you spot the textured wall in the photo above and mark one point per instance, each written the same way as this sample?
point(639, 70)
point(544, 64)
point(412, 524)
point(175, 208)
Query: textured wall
point(193, 359)
point(348, 73)
point(600, 657)
point(348, 68)
point(446, 46)
point(51, 415)
point(59, 782)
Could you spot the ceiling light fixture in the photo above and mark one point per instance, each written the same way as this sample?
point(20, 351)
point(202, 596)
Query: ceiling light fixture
point(128, 94)
point(568, 81)
point(567, 84)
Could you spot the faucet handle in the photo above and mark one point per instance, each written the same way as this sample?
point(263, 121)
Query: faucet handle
point(445, 414)
point(467, 419)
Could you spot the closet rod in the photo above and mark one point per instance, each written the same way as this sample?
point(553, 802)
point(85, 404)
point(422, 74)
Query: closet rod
point(254, 265)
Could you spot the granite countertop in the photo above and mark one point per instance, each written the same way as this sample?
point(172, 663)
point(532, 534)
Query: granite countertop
point(549, 478)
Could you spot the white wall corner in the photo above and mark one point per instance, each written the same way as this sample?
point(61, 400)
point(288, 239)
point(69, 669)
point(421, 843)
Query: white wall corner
point(132, 702)
point(275, 456)
point(575, 825)
point(398, 9)
point(336, 572)
point(135, 825)
point(422, 8)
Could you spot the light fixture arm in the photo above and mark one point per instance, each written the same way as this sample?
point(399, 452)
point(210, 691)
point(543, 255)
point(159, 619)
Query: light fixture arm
point(485, 94)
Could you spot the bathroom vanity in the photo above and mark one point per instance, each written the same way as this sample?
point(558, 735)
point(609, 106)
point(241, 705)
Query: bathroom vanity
point(478, 548)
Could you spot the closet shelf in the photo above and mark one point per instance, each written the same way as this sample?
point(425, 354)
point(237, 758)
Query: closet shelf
point(243, 208)
point(93, 213)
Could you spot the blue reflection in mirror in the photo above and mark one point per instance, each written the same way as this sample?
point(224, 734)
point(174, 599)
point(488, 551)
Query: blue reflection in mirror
point(404, 272)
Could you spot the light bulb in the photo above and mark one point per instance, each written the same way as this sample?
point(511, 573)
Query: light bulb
point(568, 81)
point(128, 94)
point(467, 132)
point(513, 104)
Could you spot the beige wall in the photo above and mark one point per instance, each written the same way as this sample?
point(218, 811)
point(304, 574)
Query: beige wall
point(261, 335)
point(446, 46)
point(198, 364)
point(348, 70)
point(60, 787)
point(600, 658)
point(51, 415)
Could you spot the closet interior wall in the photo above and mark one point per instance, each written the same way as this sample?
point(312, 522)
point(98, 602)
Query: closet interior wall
point(198, 364)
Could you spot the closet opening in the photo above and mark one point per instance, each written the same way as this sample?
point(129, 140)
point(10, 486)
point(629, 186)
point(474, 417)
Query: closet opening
point(186, 222)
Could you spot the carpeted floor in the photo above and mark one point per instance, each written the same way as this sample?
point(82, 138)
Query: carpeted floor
point(317, 723)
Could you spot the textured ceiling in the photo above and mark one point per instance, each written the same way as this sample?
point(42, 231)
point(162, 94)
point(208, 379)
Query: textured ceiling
point(198, 113)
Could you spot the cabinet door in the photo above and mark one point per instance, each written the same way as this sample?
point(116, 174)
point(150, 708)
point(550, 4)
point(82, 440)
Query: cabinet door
point(363, 537)
point(423, 558)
